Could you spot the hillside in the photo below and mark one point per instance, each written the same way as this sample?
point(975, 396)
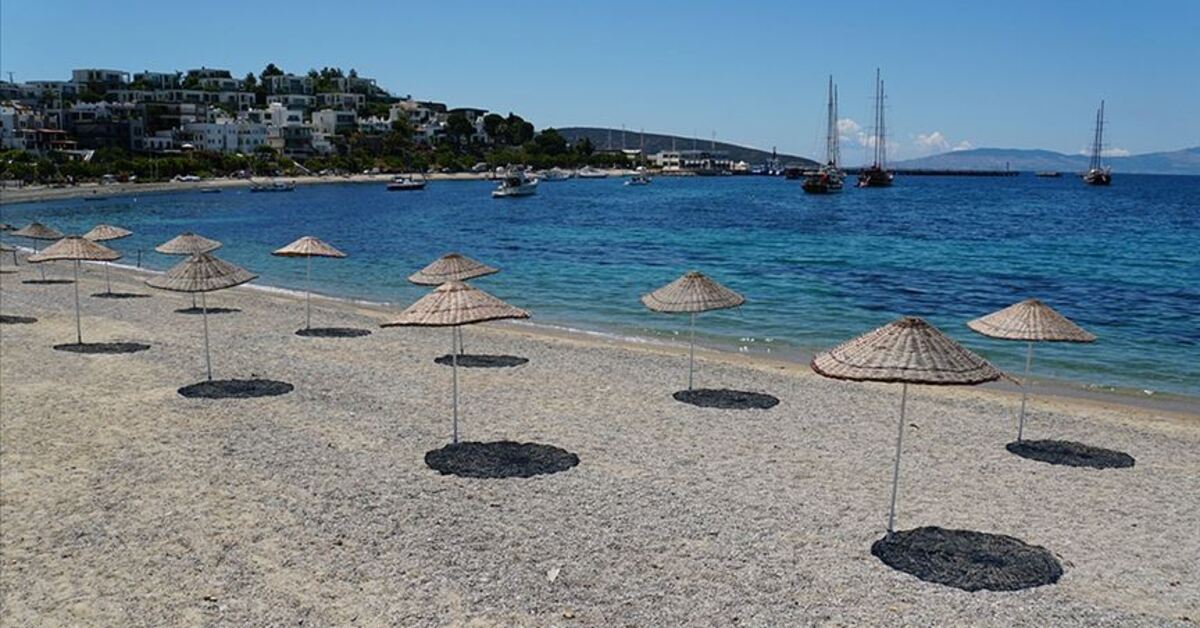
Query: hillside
point(655, 142)
point(1179, 162)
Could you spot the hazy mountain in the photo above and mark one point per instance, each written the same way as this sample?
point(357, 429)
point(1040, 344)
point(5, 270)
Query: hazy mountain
point(1186, 161)
point(655, 142)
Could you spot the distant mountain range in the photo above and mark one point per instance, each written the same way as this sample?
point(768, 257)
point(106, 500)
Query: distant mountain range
point(655, 142)
point(1186, 161)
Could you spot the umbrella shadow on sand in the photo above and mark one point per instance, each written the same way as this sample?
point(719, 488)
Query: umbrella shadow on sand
point(120, 295)
point(236, 389)
point(968, 560)
point(726, 399)
point(1071, 454)
point(333, 332)
point(212, 310)
point(102, 348)
point(481, 361)
point(48, 282)
point(500, 459)
point(6, 319)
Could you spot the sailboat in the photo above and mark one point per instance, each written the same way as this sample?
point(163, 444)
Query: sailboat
point(827, 178)
point(1097, 173)
point(877, 175)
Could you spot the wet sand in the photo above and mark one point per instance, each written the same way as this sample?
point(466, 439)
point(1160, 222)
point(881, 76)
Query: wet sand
point(124, 503)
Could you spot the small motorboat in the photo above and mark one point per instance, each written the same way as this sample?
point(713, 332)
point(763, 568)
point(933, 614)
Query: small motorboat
point(514, 184)
point(406, 183)
point(555, 174)
point(210, 190)
point(588, 172)
point(639, 178)
point(1048, 174)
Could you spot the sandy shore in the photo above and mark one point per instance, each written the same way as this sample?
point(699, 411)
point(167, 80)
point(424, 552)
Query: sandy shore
point(36, 193)
point(122, 503)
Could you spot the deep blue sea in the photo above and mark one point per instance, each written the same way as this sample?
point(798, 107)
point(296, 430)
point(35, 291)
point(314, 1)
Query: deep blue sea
point(1123, 261)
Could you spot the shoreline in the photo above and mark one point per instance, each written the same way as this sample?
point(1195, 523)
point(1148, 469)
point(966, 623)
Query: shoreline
point(1055, 391)
point(43, 193)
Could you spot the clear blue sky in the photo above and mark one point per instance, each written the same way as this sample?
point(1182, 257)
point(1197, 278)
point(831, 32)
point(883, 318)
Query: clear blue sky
point(1009, 74)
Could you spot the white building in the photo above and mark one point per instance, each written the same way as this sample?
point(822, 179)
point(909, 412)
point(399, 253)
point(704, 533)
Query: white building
point(332, 122)
point(293, 101)
point(288, 84)
point(226, 135)
point(100, 77)
point(341, 100)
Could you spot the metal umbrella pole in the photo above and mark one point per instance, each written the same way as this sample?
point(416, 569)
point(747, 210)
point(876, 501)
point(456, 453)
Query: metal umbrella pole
point(692, 350)
point(1024, 392)
point(107, 278)
point(204, 316)
point(78, 325)
point(454, 369)
point(307, 291)
point(896, 467)
point(41, 269)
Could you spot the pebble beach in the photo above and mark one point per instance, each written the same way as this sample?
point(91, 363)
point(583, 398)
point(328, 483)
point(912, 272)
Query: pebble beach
point(124, 503)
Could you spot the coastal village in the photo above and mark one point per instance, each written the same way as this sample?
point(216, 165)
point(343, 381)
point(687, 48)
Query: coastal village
point(281, 123)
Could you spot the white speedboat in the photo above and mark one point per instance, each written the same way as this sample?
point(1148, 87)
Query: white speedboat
point(639, 178)
point(588, 172)
point(515, 183)
point(406, 183)
point(556, 174)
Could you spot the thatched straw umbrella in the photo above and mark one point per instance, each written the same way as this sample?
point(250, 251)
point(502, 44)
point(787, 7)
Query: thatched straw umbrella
point(201, 273)
point(1031, 321)
point(35, 231)
point(77, 249)
point(105, 233)
point(453, 304)
point(692, 293)
point(909, 351)
point(451, 267)
point(188, 243)
point(308, 247)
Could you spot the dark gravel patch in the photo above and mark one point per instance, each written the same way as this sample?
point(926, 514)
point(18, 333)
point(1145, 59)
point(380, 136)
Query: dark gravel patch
point(48, 282)
point(6, 319)
point(501, 459)
point(212, 310)
point(726, 399)
point(103, 348)
point(333, 332)
point(1070, 454)
point(968, 560)
point(120, 295)
point(471, 361)
point(236, 389)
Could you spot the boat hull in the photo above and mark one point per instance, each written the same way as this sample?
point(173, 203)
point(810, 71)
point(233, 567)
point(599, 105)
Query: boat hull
point(875, 178)
point(1098, 177)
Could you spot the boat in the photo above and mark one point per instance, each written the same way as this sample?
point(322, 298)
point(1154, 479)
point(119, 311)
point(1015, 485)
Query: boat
point(406, 183)
point(639, 178)
point(555, 174)
point(877, 175)
point(210, 190)
point(828, 178)
point(515, 183)
point(793, 172)
point(1048, 174)
point(1098, 173)
point(274, 186)
point(588, 172)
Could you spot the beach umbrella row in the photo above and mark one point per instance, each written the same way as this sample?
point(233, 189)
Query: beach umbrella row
point(77, 249)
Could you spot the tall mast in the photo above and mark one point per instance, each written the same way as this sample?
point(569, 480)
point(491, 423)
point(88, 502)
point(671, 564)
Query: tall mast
point(882, 141)
point(833, 131)
point(829, 124)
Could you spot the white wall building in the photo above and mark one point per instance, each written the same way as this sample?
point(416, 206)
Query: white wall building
point(332, 122)
point(226, 135)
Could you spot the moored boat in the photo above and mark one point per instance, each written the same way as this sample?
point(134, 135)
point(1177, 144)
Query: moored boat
point(274, 186)
point(828, 178)
point(1051, 174)
point(406, 183)
point(1097, 173)
point(588, 172)
point(877, 174)
point(515, 183)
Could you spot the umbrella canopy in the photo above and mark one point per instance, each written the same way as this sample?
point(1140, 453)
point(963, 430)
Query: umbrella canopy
point(201, 273)
point(38, 231)
point(451, 267)
point(1030, 320)
point(187, 244)
point(691, 293)
point(452, 304)
point(104, 233)
point(308, 246)
point(455, 303)
point(75, 248)
point(908, 351)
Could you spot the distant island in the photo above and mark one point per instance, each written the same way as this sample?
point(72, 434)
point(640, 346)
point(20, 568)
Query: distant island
point(606, 139)
point(1178, 162)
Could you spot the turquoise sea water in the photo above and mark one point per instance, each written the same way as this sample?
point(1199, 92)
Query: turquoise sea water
point(1123, 262)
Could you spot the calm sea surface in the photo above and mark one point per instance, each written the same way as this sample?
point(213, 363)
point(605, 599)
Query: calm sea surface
point(1123, 262)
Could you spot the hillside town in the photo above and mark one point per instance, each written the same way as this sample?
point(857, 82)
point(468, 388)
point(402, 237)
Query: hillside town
point(271, 123)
